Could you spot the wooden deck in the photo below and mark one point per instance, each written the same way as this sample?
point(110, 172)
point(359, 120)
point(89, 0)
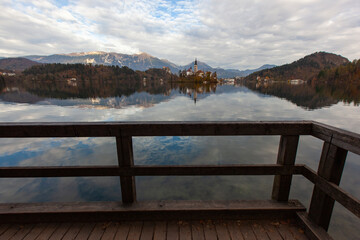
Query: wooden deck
point(148, 230)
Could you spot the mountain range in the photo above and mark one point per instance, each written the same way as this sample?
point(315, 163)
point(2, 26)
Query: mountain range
point(142, 62)
point(304, 68)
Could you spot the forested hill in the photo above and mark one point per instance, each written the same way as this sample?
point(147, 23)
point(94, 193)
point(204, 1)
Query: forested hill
point(305, 68)
point(16, 63)
point(58, 72)
point(349, 73)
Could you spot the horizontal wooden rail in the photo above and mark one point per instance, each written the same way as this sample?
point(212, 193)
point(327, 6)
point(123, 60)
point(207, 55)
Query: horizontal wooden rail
point(342, 138)
point(312, 230)
point(334, 191)
point(190, 170)
point(108, 129)
point(149, 210)
point(347, 140)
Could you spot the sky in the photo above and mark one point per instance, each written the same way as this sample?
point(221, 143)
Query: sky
point(223, 33)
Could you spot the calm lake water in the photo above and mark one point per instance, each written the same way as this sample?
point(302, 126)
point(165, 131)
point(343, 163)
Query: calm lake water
point(158, 101)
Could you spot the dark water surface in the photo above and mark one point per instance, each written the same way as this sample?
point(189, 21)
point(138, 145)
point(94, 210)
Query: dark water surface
point(158, 101)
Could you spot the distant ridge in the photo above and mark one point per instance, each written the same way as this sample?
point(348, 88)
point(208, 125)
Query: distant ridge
point(16, 63)
point(140, 61)
point(304, 68)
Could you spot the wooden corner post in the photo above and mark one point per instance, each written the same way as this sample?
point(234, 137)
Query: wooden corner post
point(331, 166)
point(286, 156)
point(126, 159)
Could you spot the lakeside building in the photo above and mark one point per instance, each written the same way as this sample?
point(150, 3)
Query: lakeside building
point(167, 69)
point(10, 74)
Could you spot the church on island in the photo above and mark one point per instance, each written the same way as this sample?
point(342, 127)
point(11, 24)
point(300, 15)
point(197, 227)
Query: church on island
point(190, 72)
point(198, 74)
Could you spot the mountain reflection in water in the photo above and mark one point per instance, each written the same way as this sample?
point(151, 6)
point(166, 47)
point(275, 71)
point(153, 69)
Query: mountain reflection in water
point(109, 94)
point(147, 92)
point(309, 96)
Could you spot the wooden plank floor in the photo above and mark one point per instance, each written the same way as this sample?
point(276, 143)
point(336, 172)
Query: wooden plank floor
point(148, 230)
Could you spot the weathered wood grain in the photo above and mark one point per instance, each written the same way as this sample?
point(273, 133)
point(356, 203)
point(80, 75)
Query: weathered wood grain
point(123, 231)
point(160, 230)
point(10, 232)
point(197, 230)
point(259, 230)
point(143, 230)
point(110, 230)
point(147, 232)
point(272, 229)
point(24, 230)
point(48, 231)
point(85, 230)
point(330, 168)
point(35, 231)
point(234, 230)
point(135, 230)
point(312, 230)
point(125, 158)
point(152, 210)
point(286, 156)
point(73, 231)
point(221, 230)
point(339, 137)
point(60, 231)
point(210, 230)
point(172, 230)
point(107, 129)
point(247, 230)
point(184, 230)
point(334, 191)
point(3, 228)
point(297, 231)
point(284, 230)
point(190, 170)
point(97, 232)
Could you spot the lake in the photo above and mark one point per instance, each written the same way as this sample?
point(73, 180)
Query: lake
point(164, 101)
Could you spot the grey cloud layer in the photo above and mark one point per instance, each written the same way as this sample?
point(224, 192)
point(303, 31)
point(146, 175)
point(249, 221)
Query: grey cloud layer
point(231, 34)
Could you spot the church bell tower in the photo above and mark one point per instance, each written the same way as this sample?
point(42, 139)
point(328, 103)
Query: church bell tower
point(195, 66)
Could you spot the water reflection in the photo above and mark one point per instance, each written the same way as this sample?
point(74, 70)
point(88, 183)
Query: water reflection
point(147, 92)
point(109, 94)
point(309, 96)
point(166, 100)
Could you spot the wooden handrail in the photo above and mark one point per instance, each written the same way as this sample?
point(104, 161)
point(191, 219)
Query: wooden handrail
point(183, 170)
point(335, 192)
point(341, 138)
point(326, 190)
point(347, 140)
point(113, 129)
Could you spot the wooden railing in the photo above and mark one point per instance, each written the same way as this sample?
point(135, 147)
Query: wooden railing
point(326, 191)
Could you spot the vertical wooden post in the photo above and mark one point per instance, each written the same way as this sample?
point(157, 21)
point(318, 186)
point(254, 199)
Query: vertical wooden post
point(125, 159)
point(286, 156)
point(331, 166)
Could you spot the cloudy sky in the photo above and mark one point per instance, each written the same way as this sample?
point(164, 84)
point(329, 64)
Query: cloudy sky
point(223, 33)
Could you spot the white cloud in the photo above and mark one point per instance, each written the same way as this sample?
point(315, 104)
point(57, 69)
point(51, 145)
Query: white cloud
point(231, 34)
